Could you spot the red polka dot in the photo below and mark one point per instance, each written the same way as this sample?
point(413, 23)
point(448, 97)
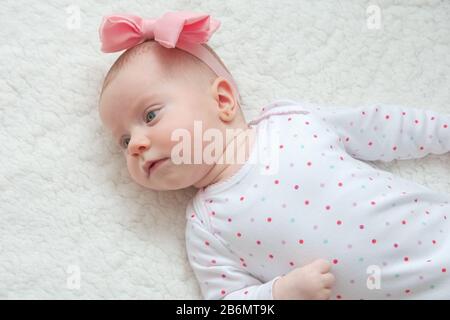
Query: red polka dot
point(222, 292)
point(335, 261)
point(395, 245)
point(223, 276)
point(421, 148)
point(207, 243)
point(361, 226)
point(387, 117)
point(407, 291)
point(338, 297)
point(296, 187)
point(339, 222)
point(370, 143)
point(363, 113)
point(307, 123)
point(258, 242)
point(291, 263)
point(374, 241)
point(289, 119)
point(445, 126)
point(394, 148)
point(340, 184)
point(328, 207)
point(242, 198)
point(301, 241)
point(277, 182)
point(434, 241)
point(406, 259)
point(403, 221)
point(269, 219)
point(229, 219)
point(404, 113)
point(271, 256)
point(239, 234)
point(309, 163)
point(444, 270)
point(246, 292)
point(213, 261)
point(416, 121)
point(281, 146)
point(306, 202)
point(373, 203)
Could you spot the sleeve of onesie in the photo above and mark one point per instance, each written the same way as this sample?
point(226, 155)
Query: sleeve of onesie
point(386, 132)
point(218, 270)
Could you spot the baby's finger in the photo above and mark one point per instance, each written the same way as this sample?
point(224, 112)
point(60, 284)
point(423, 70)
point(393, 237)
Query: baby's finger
point(325, 294)
point(322, 265)
point(328, 280)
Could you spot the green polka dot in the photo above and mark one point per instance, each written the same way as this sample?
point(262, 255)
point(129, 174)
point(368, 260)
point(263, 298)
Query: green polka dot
point(325, 241)
point(432, 287)
point(292, 220)
point(262, 199)
point(361, 259)
point(397, 275)
point(302, 146)
point(331, 167)
point(363, 187)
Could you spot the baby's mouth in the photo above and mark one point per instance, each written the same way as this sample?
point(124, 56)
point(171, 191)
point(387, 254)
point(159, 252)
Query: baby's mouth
point(153, 165)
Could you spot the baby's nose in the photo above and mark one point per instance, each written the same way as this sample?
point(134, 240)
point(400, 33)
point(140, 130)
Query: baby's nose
point(138, 145)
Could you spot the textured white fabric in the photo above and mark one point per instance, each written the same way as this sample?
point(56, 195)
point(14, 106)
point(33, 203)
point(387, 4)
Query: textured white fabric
point(322, 201)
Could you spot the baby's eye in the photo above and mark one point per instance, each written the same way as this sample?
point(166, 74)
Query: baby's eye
point(150, 115)
point(124, 142)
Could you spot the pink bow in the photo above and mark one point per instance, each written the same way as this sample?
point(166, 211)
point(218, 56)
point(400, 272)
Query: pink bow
point(119, 32)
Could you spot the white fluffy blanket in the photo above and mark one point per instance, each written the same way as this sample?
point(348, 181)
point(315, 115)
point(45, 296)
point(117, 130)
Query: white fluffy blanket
point(73, 223)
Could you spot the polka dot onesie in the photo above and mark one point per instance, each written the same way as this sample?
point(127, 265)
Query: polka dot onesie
point(306, 193)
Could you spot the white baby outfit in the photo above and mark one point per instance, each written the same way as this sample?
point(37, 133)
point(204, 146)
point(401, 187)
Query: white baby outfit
point(305, 194)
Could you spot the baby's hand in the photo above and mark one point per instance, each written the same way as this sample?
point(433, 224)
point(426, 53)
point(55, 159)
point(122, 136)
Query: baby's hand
point(313, 281)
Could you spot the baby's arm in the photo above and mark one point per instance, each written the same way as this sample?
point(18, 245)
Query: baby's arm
point(220, 273)
point(223, 275)
point(386, 132)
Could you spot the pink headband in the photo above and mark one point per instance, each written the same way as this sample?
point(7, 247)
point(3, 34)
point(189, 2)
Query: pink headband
point(183, 29)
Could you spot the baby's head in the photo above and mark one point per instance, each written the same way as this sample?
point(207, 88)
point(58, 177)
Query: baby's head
point(149, 92)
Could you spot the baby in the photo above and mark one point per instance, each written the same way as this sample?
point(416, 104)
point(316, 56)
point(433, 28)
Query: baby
point(301, 216)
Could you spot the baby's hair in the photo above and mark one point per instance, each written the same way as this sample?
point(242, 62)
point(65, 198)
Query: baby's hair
point(171, 58)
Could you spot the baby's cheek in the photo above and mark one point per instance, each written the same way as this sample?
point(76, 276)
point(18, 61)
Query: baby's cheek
point(136, 174)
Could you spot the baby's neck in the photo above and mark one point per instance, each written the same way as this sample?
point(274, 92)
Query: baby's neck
point(223, 168)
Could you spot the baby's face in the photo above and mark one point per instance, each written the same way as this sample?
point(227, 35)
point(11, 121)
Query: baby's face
point(141, 111)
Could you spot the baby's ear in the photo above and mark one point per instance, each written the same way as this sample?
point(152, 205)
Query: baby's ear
point(223, 94)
